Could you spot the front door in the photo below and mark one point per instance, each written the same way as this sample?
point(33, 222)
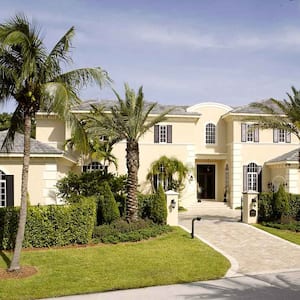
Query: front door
point(206, 181)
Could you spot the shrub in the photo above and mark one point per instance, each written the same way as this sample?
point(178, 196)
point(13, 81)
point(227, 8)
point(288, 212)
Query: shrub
point(107, 210)
point(73, 186)
point(265, 207)
point(53, 225)
point(281, 203)
point(159, 207)
point(121, 231)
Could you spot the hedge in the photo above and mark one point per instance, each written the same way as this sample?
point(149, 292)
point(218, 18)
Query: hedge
point(278, 206)
point(53, 225)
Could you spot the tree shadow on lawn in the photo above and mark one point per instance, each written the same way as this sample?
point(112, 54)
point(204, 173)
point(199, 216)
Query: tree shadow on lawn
point(5, 258)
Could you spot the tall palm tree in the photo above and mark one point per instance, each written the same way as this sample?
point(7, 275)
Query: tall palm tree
point(35, 80)
point(170, 173)
point(281, 114)
point(129, 119)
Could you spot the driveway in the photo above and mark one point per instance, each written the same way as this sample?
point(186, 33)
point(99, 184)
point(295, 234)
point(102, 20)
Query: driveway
point(250, 250)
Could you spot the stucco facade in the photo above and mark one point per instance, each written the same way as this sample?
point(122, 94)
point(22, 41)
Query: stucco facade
point(224, 154)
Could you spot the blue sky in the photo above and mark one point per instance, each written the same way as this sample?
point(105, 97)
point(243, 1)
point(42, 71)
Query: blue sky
point(182, 52)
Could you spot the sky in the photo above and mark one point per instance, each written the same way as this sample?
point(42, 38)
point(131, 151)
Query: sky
point(182, 52)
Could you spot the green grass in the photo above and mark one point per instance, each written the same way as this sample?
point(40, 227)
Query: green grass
point(170, 258)
point(290, 236)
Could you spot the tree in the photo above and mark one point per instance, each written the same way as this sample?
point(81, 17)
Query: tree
point(129, 119)
point(35, 80)
point(168, 172)
point(281, 114)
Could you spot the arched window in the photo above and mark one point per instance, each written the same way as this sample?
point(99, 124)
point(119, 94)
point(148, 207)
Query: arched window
point(94, 166)
point(210, 133)
point(2, 189)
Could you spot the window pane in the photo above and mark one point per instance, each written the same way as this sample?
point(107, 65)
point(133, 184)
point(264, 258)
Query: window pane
point(210, 134)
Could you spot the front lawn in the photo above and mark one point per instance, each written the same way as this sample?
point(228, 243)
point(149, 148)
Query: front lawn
point(290, 236)
point(168, 259)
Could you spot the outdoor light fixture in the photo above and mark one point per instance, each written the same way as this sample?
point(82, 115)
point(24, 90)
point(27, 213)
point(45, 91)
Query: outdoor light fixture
point(173, 203)
point(193, 221)
point(253, 202)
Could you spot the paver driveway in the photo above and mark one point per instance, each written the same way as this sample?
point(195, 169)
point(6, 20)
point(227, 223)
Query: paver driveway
point(250, 250)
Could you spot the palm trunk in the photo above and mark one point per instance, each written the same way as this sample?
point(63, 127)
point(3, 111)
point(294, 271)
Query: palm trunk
point(15, 263)
point(132, 160)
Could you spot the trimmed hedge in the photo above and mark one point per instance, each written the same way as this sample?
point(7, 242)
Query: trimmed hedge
point(121, 231)
point(53, 225)
point(279, 206)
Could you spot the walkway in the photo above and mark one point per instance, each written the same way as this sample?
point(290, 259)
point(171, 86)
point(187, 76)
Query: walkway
point(250, 250)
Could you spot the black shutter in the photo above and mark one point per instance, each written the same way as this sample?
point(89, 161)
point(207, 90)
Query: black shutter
point(156, 134)
point(245, 171)
point(84, 169)
point(9, 190)
point(169, 134)
point(243, 132)
point(275, 135)
point(259, 179)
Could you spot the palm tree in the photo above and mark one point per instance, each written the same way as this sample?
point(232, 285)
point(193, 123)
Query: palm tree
point(170, 172)
point(35, 80)
point(129, 119)
point(281, 114)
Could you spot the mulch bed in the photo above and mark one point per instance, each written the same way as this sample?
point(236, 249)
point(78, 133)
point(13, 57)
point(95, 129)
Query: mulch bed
point(25, 271)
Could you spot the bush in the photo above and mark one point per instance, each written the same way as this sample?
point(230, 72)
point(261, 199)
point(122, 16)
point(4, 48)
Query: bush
point(281, 203)
point(154, 207)
point(279, 206)
point(107, 210)
point(73, 186)
point(121, 231)
point(265, 206)
point(52, 225)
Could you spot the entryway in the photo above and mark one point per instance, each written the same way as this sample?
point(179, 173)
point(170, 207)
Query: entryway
point(206, 181)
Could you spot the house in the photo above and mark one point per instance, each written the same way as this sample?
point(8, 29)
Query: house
point(225, 153)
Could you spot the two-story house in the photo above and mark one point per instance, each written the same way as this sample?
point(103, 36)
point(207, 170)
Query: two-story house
point(225, 154)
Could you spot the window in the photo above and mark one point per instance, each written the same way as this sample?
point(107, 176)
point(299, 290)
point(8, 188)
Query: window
point(2, 189)
point(210, 133)
point(94, 166)
point(250, 133)
point(252, 177)
point(281, 136)
point(163, 134)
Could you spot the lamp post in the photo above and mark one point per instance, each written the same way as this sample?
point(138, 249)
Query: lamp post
point(193, 221)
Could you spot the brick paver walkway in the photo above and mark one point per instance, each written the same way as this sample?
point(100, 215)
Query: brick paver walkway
point(250, 250)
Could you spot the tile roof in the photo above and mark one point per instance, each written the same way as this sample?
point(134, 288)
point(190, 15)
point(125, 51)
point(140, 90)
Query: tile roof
point(36, 147)
point(248, 109)
point(289, 156)
point(159, 108)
